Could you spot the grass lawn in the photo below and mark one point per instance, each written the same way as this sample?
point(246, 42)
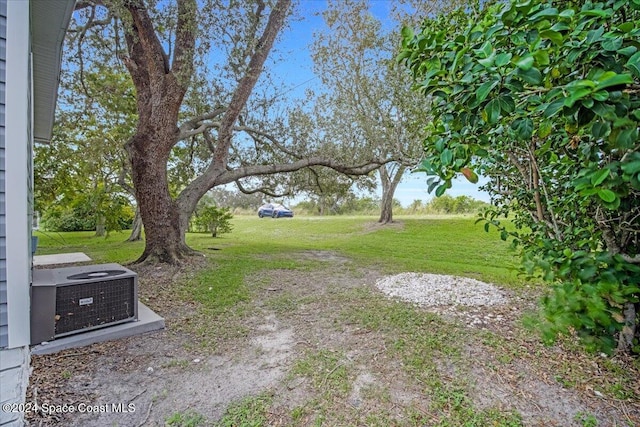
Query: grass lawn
point(351, 355)
point(447, 245)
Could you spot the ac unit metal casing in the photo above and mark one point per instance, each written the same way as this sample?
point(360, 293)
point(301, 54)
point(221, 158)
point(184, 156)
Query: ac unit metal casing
point(71, 300)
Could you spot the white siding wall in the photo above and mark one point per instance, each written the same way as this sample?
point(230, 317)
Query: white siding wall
point(14, 351)
point(17, 152)
point(4, 331)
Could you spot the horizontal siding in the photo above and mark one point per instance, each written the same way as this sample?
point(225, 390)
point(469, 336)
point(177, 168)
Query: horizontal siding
point(4, 337)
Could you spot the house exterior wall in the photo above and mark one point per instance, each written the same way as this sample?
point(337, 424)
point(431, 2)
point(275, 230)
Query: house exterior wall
point(15, 166)
point(4, 340)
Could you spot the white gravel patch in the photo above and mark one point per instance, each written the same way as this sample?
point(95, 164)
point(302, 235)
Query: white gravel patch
point(432, 290)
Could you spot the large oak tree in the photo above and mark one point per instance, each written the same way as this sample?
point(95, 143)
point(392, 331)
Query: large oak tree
point(354, 56)
point(171, 50)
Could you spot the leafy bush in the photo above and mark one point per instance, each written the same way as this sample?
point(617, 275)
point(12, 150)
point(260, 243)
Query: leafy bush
point(83, 214)
point(544, 100)
point(214, 220)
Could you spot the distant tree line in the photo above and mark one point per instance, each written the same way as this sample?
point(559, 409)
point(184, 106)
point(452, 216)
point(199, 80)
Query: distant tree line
point(444, 205)
point(218, 206)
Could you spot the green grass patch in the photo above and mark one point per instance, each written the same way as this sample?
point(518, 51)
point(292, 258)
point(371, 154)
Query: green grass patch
point(327, 371)
point(186, 419)
point(428, 346)
point(443, 245)
point(113, 248)
point(250, 412)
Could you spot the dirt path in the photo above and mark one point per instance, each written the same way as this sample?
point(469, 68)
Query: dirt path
point(324, 347)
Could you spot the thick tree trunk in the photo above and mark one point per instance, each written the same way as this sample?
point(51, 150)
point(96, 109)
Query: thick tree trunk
point(149, 152)
point(389, 184)
point(164, 240)
point(101, 229)
point(136, 228)
point(630, 329)
point(386, 208)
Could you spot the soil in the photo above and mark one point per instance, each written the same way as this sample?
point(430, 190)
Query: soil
point(295, 313)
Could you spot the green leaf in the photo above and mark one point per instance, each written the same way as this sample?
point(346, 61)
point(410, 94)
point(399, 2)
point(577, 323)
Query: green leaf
point(594, 35)
point(560, 27)
point(441, 189)
point(532, 76)
point(582, 83)
point(407, 33)
point(446, 157)
point(627, 138)
point(600, 130)
point(432, 183)
point(525, 63)
point(575, 95)
point(547, 12)
point(554, 36)
point(603, 110)
point(633, 64)
point(523, 128)
point(627, 51)
point(541, 57)
point(507, 104)
point(626, 27)
point(569, 13)
point(425, 166)
point(598, 177)
point(544, 129)
point(554, 108)
point(488, 62)
point(502, 59)
point(492, 110)
point(597, 12)
point(612, 79)
point(612, 44)
point(632, 164)
point(612, 205)
point(607, 195)
point(602, 95)
point(485, 88)
point(485, 50)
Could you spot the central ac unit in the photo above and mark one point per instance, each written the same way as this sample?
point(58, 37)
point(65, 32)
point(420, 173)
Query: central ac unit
point(71, 300)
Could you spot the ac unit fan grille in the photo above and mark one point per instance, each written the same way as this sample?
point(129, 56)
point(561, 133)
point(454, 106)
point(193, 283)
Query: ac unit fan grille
point(86, 305)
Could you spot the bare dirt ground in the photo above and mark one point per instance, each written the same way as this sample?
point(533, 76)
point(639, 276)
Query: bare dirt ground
point(299, 345)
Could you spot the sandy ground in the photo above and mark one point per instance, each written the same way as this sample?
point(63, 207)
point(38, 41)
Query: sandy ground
point(293, 313)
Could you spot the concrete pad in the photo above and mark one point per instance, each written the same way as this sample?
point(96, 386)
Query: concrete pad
point(147, 321)
point(72, 257)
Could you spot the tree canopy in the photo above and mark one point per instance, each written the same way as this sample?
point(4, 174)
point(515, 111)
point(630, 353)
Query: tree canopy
point(543, 99)
point(194, 66)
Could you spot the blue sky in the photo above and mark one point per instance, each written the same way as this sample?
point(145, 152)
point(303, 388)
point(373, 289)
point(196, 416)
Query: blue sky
point(297, 71)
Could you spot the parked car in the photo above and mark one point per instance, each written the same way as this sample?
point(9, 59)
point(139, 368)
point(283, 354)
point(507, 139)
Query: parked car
point(265, 210)
point(280, 211)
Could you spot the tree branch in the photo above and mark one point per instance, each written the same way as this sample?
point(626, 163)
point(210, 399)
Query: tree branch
point(155, 59)
point(185, 41)
point(247, 83)
point(263, 190)
point(515, 162)
point(198, 124)
point(252, 170)
point(273, 140)
point(209, 141)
